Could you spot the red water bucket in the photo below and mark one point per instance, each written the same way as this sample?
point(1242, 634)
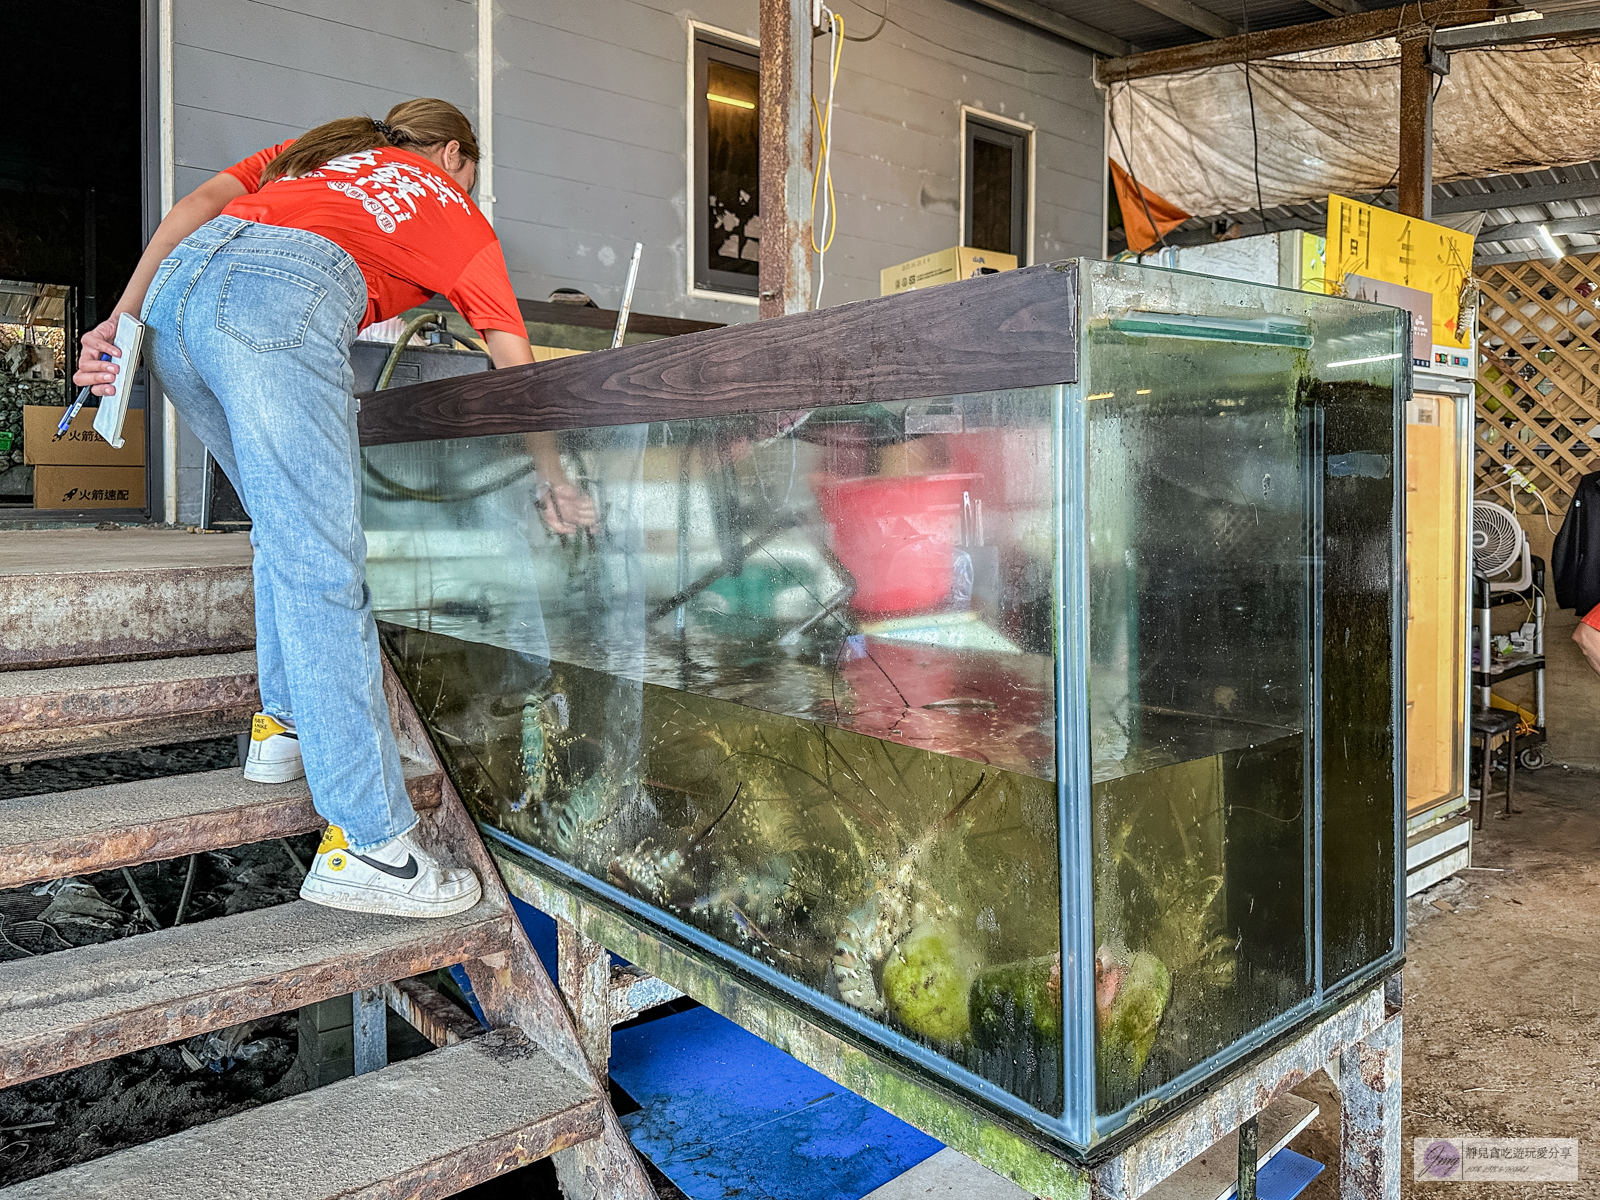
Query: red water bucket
point(897, 535)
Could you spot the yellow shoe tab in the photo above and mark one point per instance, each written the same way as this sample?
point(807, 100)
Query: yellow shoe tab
point(332, 839)
point(262, 727)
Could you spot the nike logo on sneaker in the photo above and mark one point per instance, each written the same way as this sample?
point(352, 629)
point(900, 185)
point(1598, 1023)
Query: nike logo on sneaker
point(408, 871)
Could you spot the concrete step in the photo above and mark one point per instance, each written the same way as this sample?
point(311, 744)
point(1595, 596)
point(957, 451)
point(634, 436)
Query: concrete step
point(74, 1007)
point(427, 1127)
point(58, 711)
point(91, 595)
point(121, 824)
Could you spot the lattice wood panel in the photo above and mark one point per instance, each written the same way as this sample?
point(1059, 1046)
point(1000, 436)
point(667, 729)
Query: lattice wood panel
point(1538, 378)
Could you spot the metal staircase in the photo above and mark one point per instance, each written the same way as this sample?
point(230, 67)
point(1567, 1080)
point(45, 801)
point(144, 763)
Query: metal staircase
point(428, 1127)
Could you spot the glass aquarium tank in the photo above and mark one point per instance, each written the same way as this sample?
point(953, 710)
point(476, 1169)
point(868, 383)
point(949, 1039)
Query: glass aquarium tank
point(1040, 738)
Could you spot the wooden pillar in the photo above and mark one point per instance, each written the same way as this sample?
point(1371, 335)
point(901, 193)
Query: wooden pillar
point(1420, 64)
point(785, 133)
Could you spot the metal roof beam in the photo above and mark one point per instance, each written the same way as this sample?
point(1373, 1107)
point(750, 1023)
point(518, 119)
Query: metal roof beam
point(1050, 21)
point(1191, 15)
point(1337, 8)
point(1545, 193)
point(1295, 39)
point(1530, 229)
point(1489, 260)
point(1480, 37)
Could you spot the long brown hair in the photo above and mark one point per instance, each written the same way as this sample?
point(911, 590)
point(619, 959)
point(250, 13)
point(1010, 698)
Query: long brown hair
point(410, 125)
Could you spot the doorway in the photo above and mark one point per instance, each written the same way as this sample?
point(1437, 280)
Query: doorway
point(72, 224)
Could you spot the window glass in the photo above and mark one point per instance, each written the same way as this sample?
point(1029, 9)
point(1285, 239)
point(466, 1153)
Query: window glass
point(996, 190)
point(727, 168)
point(991, 196)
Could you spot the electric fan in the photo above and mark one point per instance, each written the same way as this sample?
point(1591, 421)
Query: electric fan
point(1497, 544)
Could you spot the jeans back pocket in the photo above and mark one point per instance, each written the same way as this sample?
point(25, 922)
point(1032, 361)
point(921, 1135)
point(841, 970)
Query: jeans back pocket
point(266, 308)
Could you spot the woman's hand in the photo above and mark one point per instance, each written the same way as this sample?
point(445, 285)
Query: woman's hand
point(91, 370)
point(566, 508)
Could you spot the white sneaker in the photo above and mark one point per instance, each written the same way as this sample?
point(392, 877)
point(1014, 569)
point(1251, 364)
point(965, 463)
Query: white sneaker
point(274, 752)
point(398, 878)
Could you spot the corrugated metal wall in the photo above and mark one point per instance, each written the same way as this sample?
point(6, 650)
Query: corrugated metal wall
point(591, 120)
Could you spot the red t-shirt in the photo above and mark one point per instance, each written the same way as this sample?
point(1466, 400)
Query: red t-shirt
point(1593, 619)
point(409, 226)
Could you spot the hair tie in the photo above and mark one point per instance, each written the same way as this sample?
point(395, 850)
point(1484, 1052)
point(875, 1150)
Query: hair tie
point(383, 127)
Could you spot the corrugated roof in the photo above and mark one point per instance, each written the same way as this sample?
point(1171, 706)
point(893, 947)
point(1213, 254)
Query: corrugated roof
point(1566, 200)
point(1149, 30)
point(47, 302)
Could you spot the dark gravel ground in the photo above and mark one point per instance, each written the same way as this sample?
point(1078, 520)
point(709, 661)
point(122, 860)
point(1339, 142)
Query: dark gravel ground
point(95, 770)
point(81, 1114)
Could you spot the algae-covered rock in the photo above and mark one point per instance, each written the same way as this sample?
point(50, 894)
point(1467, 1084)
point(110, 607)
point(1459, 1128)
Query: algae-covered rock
point(1017, 1004)
point(1130, 1000)
point(925, 981)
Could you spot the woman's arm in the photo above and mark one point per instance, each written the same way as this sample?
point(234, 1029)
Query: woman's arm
point(567, 507)
point(187, 215)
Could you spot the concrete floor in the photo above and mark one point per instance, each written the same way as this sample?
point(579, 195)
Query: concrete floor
point(1502, 995)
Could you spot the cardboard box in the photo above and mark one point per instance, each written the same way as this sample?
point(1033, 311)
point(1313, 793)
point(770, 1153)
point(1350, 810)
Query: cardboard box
point(66, 486)
point(82, 446)
point(945, 266)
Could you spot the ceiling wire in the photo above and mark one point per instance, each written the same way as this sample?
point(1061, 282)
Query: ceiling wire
point(1255, 139)
point(997, 62)
point(883, 19)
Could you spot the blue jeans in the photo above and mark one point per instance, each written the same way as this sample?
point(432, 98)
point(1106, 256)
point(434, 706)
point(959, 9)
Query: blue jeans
point(248, 330)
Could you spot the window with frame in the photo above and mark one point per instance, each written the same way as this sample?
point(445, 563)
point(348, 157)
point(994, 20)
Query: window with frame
point(996, 189)
point(727, 168)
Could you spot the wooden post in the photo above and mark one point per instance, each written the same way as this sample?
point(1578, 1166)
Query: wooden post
point(1419, 64)
point(785, 148)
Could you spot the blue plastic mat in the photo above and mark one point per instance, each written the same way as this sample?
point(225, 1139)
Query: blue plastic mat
point(541, 930)
point(1284, 1177)
point(724, 1114)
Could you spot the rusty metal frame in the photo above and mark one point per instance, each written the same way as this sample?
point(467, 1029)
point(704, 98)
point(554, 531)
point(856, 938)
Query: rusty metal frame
point(1360, 1036)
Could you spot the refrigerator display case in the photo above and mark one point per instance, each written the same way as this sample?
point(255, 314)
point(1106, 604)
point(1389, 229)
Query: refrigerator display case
point(1438, 453)
point(1007, 675)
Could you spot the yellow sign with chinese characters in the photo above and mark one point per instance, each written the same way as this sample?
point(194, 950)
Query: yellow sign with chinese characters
point(1377, 244)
